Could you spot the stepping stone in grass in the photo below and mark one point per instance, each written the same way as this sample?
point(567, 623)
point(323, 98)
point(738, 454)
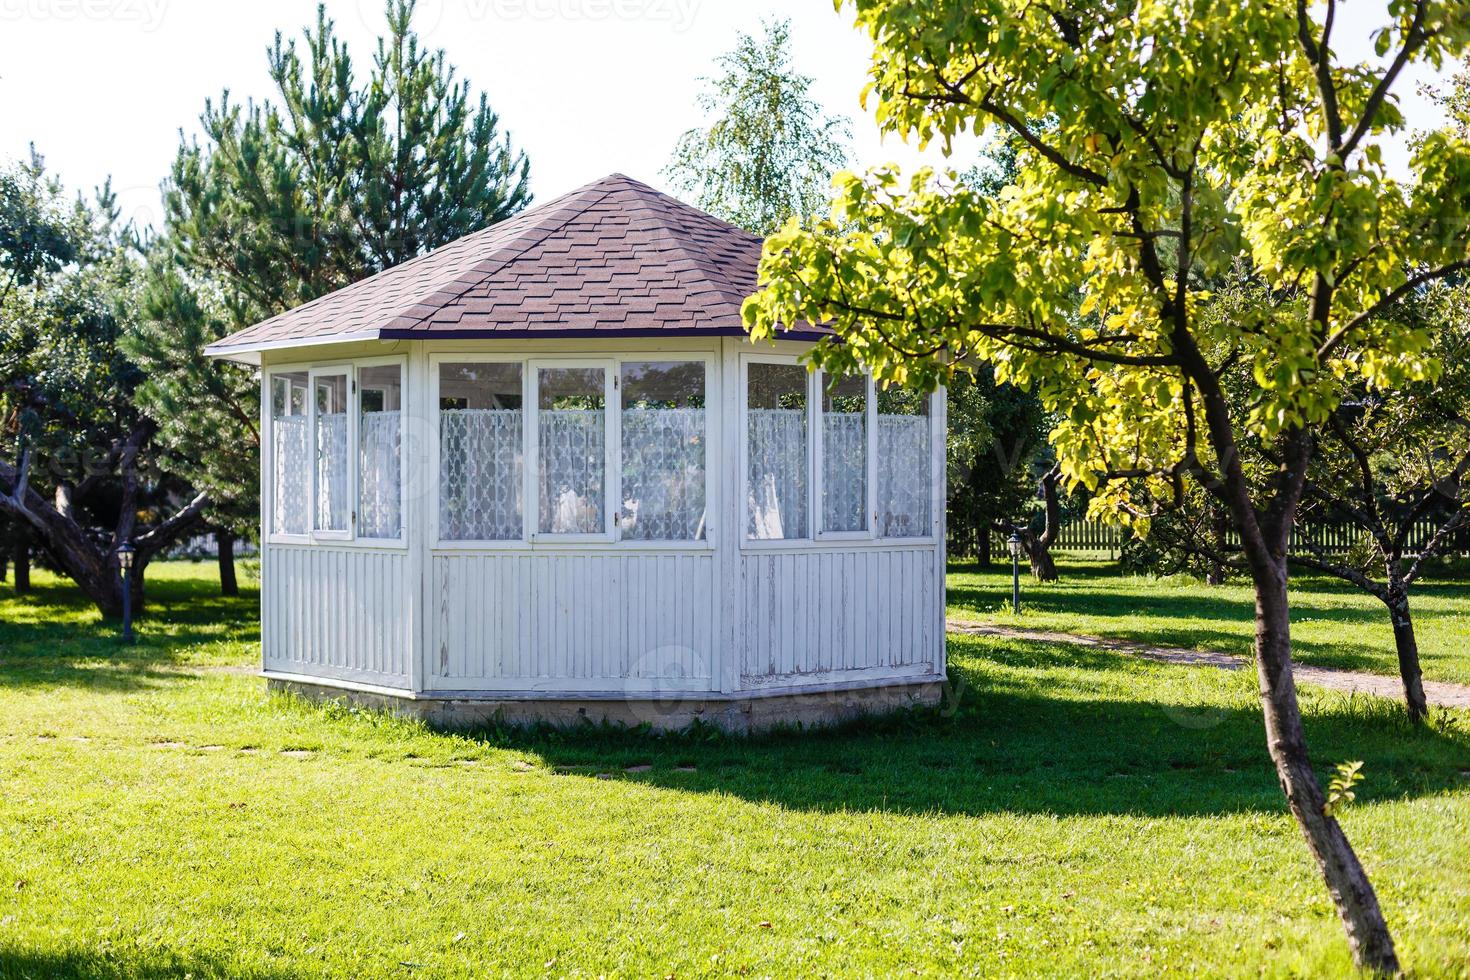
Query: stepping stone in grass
point(297, 753)
point(638, 768)
point(685, 769)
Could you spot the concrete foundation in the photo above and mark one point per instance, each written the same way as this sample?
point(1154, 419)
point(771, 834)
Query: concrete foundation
point(739, 713)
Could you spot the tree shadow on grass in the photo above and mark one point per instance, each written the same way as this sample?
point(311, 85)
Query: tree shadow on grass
point(27, 964)
point(54, 636)
point(1019, 746)
point(1221, 621)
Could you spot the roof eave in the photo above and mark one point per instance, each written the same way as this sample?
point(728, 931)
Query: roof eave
point(249, 352)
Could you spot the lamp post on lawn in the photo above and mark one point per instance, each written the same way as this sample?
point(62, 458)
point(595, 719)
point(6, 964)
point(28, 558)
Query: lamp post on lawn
point(1015, 543)
point(125, 564)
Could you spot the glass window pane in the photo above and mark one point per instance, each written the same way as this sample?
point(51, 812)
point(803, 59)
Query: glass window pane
point(663, 451)
point(331, 452)
point(571, 409)
point(290, 460)
point(776, 451)
point(845, 454)
point(905, 473)
point(379, 441)
point(480, 452)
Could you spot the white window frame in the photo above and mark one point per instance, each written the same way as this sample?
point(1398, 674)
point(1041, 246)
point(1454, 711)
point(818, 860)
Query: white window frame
point(436, 363)
point(707, 543)
point(329, 371)
point(611, 448)
point(870, 468)
point(816, 384)
point(268, 483)
point(743, 462)
point(349, 537)
point(936, 476)
point(612, 365)
point(355, 400)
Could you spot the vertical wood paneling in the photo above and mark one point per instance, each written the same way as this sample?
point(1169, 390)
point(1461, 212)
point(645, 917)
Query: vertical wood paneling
point(588, 622)
point(830, 613)
point(336, 613)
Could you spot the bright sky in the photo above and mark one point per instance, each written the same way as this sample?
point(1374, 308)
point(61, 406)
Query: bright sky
point(585, 87)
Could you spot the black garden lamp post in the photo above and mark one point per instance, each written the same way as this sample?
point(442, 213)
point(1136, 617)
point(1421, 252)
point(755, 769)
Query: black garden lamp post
point(125, 555)
point(1015, 544)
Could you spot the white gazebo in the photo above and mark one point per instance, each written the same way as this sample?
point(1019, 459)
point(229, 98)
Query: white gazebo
point(541, 474)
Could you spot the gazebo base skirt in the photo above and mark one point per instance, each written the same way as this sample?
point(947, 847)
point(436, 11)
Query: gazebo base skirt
point(743, 713)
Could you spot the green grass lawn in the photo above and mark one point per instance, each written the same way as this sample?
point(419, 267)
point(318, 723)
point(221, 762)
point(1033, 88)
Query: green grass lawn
point(1081, 813)
point(1333, 625)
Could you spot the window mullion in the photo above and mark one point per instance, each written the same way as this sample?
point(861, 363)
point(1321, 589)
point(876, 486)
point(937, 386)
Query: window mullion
point(531, 443)
point(612, 424)
point(870, 454)
point(354, 454)
point(313, 464)
point(816, 383)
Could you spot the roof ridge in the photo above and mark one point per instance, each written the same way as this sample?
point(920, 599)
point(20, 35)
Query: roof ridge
point(708, 264)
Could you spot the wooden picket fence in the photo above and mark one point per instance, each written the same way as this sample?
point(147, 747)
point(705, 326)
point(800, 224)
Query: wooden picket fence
point(1097, 537)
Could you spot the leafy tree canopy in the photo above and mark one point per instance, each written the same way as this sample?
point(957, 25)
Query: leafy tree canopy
point(1176, 139)
point(78, 469)
point(770, 150)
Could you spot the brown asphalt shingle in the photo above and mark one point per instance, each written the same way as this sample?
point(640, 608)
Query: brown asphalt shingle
point(615, 256)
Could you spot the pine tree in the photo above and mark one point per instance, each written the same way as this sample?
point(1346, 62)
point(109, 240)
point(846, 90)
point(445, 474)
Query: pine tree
point(335, 179)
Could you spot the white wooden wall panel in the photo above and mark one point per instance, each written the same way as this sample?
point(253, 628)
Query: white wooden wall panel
point(337, 613)
point(828, 615)
point(576, 622)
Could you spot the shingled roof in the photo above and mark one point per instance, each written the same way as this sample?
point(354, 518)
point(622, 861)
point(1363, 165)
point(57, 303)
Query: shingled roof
point(613, 258)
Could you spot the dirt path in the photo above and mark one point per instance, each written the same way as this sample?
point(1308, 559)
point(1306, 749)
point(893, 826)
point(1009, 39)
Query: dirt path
point(1350, 681)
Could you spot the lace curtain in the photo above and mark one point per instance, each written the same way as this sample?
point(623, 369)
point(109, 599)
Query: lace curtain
point(844, 471)
point(480, 460)
point(776, 491)
point(380, 493)
point(291, 461)
point(663, 474)
point(904, 476)
point(573, 471)
point(331, 473)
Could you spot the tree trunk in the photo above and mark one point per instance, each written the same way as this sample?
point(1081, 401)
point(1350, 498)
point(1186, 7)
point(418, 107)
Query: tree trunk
point(93, 566)
point(1038, 546)
point(1043, 568)
point(983, 556)
point(1347, 882)
point(1219, 534)
point(228, 585)
point(1408, 650)
point(22, 568)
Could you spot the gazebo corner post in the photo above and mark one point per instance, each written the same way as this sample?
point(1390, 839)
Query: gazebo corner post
point(420, 524)
point(728, 529)
point(939, 517)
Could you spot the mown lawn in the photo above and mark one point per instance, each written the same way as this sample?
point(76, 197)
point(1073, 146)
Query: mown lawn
point(1081, 813)
point(1333, 625)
